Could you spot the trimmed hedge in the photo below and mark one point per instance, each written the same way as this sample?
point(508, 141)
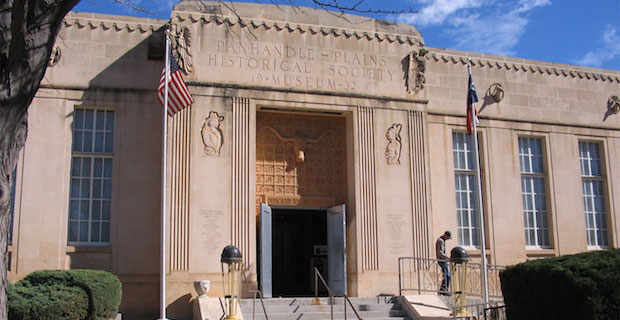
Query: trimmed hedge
point(582, 286)
point(102, 289)
point(47, 302)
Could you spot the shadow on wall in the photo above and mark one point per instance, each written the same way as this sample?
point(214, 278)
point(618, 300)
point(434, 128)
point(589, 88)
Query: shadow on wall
point(138, 69)
point(178, 309)
point(129, 87)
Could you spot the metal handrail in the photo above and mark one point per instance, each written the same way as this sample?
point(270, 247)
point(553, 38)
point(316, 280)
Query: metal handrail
point(317, 276)
point(424, 275)
point(260, 297)
point(481, 311)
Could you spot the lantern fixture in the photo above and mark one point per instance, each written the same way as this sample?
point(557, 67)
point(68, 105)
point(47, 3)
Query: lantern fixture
point(459, 260)
point(231, 279)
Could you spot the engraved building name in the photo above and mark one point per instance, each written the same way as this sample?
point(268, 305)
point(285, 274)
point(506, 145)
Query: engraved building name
point(302, 67)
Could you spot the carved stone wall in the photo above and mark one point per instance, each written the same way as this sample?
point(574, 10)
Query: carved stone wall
point(419, 185)
point(241, 200)
point(367, 203)
point(179, 137)
point(320, 179)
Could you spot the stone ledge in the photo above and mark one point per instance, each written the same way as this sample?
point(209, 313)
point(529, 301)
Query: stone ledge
point(516, 64)
point(300, 27)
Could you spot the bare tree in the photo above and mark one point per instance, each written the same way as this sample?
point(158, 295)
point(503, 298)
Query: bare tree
point(28, 30)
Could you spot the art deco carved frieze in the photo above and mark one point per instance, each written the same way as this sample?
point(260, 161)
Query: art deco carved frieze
point(320, 180)
point(212, 137)
point(394, 146)
point(299, 141)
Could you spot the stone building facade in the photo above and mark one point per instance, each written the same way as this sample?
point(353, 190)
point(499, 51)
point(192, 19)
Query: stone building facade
point(303, 118)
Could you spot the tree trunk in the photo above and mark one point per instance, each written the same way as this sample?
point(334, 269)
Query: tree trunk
point(13, 127)
point(28, 31)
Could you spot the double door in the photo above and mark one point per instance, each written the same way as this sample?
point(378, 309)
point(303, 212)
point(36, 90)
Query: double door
point(291, 245)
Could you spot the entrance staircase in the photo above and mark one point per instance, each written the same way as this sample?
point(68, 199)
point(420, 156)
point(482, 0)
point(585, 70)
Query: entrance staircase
point(377, 308)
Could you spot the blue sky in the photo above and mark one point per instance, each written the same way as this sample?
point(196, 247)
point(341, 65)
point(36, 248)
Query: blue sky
point(585, 33)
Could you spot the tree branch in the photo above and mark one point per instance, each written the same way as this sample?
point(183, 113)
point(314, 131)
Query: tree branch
point(356, 8)
point(134, 7)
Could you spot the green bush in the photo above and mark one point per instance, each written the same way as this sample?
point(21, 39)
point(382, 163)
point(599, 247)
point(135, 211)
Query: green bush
point(582, 286)
point(47, 302)
point(102, 288)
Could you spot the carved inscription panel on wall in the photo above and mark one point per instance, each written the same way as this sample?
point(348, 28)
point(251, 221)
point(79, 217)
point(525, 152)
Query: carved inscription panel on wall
point(212, 232)
point(313, 66)
point(317, 181)
point(396, 227)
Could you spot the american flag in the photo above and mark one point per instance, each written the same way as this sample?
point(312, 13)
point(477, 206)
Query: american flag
point(178, 94)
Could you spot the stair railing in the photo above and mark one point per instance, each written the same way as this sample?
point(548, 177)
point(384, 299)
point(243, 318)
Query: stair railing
point(254, 292)
point(317, 276)
point(260, 297)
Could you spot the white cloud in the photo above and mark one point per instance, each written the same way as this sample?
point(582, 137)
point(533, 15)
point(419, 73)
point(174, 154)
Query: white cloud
point(493, 27)
point(609, 50)
point(491, 35)
point(437, 11)
point(527, 5)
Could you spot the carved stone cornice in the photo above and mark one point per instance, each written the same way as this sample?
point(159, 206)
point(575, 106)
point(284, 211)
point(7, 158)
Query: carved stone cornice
point(194, 17)
point(522, 65)
point(106, 24)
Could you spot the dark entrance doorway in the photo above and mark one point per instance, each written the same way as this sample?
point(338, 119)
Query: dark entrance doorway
point(299, 244)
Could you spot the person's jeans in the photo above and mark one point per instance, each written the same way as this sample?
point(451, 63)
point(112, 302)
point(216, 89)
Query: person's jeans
point(445, 283)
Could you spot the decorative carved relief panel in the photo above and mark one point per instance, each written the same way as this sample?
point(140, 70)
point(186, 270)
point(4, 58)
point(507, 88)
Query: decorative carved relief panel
point(212, 137)
point(613, 104)
point(415, 71)
point(181, 44)
point(281, 178)
point(54, 56)
point(394, 146)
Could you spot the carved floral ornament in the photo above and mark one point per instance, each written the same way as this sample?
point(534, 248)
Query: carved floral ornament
point(212, 136)
point(394, 146)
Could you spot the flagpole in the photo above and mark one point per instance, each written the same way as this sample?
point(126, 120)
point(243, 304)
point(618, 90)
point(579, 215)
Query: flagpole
point(162, 271)
point(484, 275)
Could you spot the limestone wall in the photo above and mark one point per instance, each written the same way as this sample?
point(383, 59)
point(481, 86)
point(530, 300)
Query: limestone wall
point(559, 103)
point(398, 104)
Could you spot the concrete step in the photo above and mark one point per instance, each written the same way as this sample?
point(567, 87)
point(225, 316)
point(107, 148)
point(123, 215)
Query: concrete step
point(375, 308)
point(323, 300)
point(319, 308)
point(327, 315)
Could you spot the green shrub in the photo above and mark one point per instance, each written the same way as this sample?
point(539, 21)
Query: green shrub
point(102, 288)
point(582, 286)
point(47, 302)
